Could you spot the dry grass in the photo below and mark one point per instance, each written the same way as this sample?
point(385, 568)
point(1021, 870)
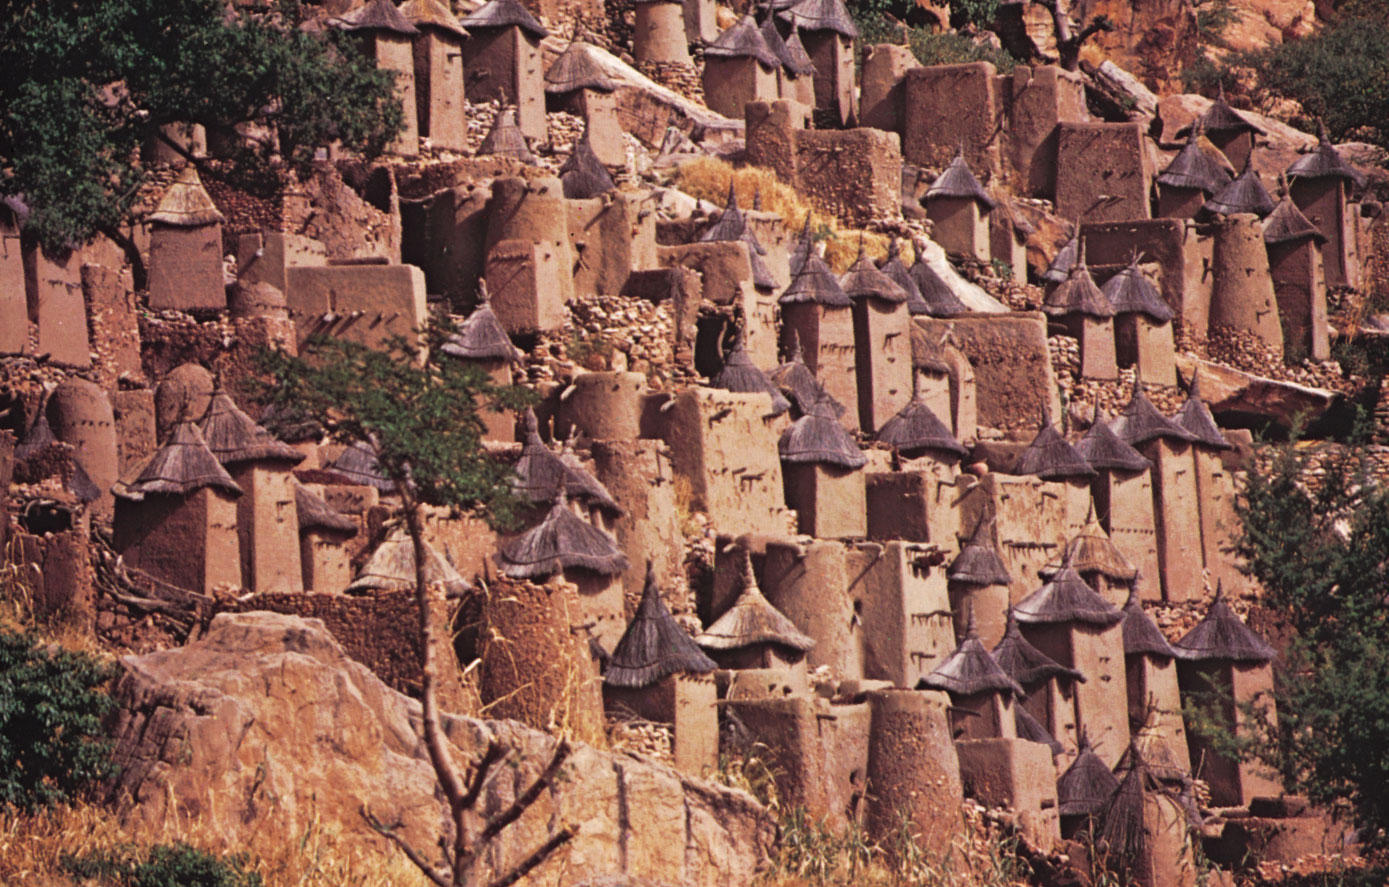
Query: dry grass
point(707, 178)
point(33, 847)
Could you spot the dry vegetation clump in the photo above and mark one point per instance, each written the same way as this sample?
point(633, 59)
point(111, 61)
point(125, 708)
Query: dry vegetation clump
point(707, 178)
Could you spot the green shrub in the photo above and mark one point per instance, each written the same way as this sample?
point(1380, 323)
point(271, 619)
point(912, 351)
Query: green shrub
point(951, 48)
point(51, 708)
point(164, 865)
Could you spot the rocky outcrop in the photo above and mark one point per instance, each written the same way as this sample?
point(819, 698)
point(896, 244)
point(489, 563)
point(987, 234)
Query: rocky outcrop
point(1234, 394)
point(265, 723)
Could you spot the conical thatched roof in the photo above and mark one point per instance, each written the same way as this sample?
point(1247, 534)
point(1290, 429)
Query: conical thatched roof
point(1087, 784)
point(937, 298)
point(740, 375)
point(1051, 457)
point(1287, 224)
point(234, 437)
point(916, 429)
point(391, 567)
point(37, 437)
point(505, 14)
point(182, 466)
point(1246, 194)
point(358, 464)
point(863, 280)
point(583, 175)
point(1123, 834)
point(752, 620)
point(505, 138)
point(431, 14)
point(654, 645)
point(818, 437)
point(1142, 637)
point(979, 562)
point(186, 203)
point(1092, 551)
point(1324, 162)
point(970, 669)
point(1220, 118)
point(1031, 729)
point(1221, 636)
point(482, 336)
point(732, 225)
point(1066, 598)
point(1131, 292)
point(821, 15)
point(743, 40)
point(1193, 169)
point(959, 181)
point(562, 541)
point(376, 15)
point(1026, 664)
point(811, 279)
point(1060, 268)
point(1141, 422)
point(577, 69)
point(316, 514)
point(1078, 294)
point(540, 473)
point(1195, 417)
point(794, 59)
point(898, 272)
point(1102, 450)
point(796, 380)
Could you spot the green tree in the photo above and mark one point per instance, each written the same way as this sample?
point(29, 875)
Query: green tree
point(52, 745)
point(419, 415)
point(88, 81)
point(1322, 556)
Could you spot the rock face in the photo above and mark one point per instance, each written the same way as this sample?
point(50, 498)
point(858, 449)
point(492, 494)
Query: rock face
point(265, 723)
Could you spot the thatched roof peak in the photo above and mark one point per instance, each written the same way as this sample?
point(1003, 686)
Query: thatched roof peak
point(561, 541)
point(864, 280)
point(915, 428)
point(1325, 162)
point(740, 375)
point(970, 669)
point(316, 514)
point(820, 15)
point(1141, 422)
point(1087, 785)
point(979, 562)
point(576, 69)
point(1223, 636)
point(752, 620)
point(1194, 169)
point(186, 203)
point(743, 40)
point(1066, 598)
point(505, 14)
point(234, 437)
point(1051, 457)
point(431, 14)
point(1195, 418)
point(1131, 292)
point(183, 465)
point(1142, 637)
point(654, 645)
point(1026, 664)
point(358, 464)
point(1102, 449)
point(817, 437)
point(959, 181)
point(505, 138)
point(376, 15)
point(796, 380)
point(583, 175)
point(391, 567)
point(481, 336)
point(1246, 194)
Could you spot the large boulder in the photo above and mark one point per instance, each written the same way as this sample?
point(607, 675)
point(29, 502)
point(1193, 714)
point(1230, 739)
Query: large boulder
point(264, 724)
point(1245, 400)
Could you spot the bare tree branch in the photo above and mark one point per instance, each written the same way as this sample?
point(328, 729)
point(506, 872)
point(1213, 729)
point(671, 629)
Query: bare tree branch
point(539, 855)
point(388, 832)
point(527, 798)
point(489, 759)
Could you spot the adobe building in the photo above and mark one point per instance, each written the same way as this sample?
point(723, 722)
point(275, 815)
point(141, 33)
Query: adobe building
point(1069, 622)
point(796, 73)
point(732, 227)
point(1175, 494)
point(586, 555)
point(829, 35)
point(1052, 458)
point(530, 260)
point(816, 311)
point(1029, 516)
point(185, 251)
point(1099, 562)
point(1143, 830)
point(391, 567)
point(913, 772)
point(741, 376)
point(79, 413)
point(900, 593)
point(934, 130)
point(14, 315)
point(1086, 315)
point(576, 83)
point(1084, 789)
point(940, 362)
point(482, 342)
point(979, 581)
point(752, 635)
point(882, 342)
point(1243, 299)
point(821, 467)
point(1296, 264)
point(1151, 681)
point(1017, 774)
point(981, 693)
point(1323, 187)
point(1049, 687)
point(368, 304)
point(921, 441)
point(505, 138)
point(1122, 491)
point(659, 35)
point(1226, 665)
point(1220, 522)
point(1103, 158)
point(658, 673)
point(739, 67)
point(267, 527)
point(176, 520)
point(959, 209)
point(323, 536)
point(388, 37)
point(502, 63)
point(1228, 130)
point(1189, 180)
point(1179, 247)
point(1142, 325)
point(438, 66)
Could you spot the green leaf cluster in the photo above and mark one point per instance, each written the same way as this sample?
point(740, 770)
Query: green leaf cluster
point(1322, 556)
point(418, 413)
point(87, 82)
point(52, 745)
point(164, 865)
